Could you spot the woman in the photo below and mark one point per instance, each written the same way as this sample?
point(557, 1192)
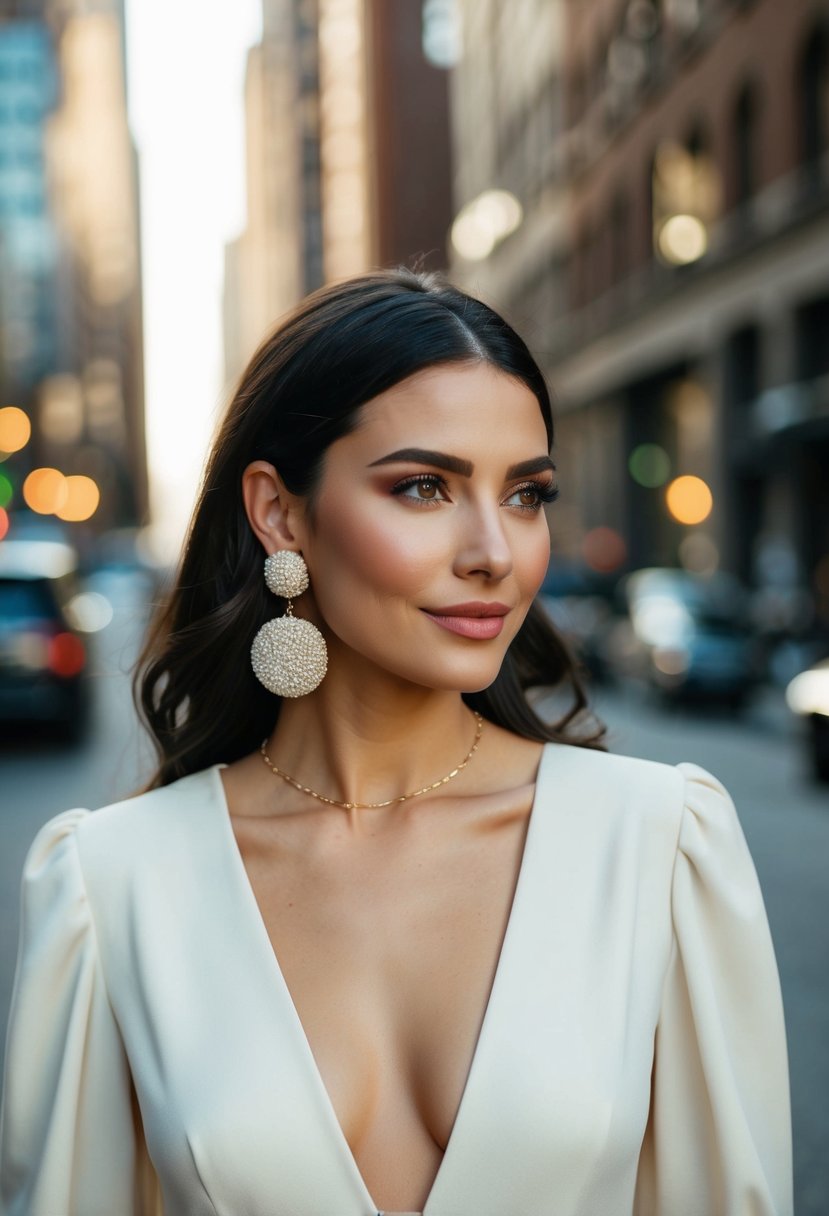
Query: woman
point(515, 974)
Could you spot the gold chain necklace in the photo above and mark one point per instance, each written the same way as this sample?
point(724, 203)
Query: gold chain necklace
point(365, 806)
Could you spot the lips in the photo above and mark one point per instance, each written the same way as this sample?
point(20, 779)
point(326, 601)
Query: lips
point(476, 608)
point(474, 620)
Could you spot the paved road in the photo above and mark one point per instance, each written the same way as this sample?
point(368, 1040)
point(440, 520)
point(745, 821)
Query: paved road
point(785, 818)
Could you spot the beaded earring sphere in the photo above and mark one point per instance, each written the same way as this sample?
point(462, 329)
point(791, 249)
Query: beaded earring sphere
point(288, 655)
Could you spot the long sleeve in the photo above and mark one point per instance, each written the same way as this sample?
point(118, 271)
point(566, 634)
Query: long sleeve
point(718, 1141)
point(67, 1133)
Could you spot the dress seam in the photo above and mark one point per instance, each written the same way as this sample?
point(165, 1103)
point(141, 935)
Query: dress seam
point(98, 960)
point(674, 942)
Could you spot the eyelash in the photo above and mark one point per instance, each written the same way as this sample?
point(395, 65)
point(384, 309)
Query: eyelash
point(546, 492)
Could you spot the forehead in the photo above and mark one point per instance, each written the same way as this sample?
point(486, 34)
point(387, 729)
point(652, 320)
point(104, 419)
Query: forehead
point(469, 404)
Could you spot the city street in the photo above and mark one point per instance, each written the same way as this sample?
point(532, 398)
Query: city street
point(785, 817)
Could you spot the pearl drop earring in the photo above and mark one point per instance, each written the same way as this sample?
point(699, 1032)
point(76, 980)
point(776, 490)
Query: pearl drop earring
point(288, 654)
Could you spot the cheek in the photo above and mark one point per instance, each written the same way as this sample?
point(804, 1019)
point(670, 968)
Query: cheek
point(536, 559)
point(373, 551)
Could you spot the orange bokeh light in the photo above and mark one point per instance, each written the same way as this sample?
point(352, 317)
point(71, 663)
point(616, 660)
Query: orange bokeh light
point(689, 500)
point(4, 522)
point(44, 490)
point(15, 429)
point(82, 498)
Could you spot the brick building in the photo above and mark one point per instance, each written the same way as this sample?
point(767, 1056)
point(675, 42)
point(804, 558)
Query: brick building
point(348, 156)
point(692, 297)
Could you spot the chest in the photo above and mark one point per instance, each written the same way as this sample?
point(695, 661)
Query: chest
point(250, 1075)
point(389, 944)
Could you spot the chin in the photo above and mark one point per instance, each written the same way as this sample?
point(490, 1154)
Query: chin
point(461, 677)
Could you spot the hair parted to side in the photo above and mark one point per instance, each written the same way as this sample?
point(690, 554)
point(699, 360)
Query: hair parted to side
point(302, 390)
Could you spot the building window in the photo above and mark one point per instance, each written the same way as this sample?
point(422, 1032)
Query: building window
point(812, 351)
point(746, 145)
point(648, 209)
point(619, 237)
point(685, 197)
point(742, 367)
point(813, 78)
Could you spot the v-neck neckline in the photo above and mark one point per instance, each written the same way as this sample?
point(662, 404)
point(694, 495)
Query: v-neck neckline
point(490, 1009)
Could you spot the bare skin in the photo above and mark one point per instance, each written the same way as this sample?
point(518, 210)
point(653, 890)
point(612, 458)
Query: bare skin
point(388, 942)
point(388, 923)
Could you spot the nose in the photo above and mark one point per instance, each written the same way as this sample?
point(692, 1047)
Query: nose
point(483, 547)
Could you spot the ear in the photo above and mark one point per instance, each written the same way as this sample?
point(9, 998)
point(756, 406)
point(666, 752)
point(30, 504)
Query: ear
point(274, 514)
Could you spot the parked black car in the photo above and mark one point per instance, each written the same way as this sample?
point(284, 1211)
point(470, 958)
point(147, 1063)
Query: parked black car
point(808, 696)
point(581, 604)
point(43, 655)
point(688, 636)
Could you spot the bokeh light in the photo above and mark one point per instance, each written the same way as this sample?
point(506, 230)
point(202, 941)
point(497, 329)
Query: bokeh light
point(6, 490)
point(698, 552)
point(81, 500)
point(481, 224)
point(682, 239)
point(44, 491)
point(689, 499)
point(4, 523)
point(649, 465)
point(15, 429)
point(808, 692)
point(66, 655)
point(89, 611)
point(604, 550)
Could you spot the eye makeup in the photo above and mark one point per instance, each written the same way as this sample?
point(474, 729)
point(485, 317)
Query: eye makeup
point(544, 490)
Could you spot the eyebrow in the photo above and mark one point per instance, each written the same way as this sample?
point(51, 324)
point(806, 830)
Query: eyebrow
point(465, 468)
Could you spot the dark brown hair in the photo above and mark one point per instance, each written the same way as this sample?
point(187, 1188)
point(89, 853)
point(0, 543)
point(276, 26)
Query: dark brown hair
point(194, 687)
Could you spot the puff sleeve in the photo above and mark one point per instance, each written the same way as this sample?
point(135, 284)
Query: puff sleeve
point(67, 1142)
point(718, 1140)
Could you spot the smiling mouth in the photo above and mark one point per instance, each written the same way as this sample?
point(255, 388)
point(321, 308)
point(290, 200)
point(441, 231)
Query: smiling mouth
point(478, 621)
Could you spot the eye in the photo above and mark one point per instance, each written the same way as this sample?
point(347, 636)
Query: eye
point(530, 497)
point(527, 496)
point(425, 488)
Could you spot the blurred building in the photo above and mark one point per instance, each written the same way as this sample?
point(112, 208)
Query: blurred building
point(686, 332)
point(507, 123)
point(28, 247)
point(278, 258)
point(346, 102)
point(71, 287)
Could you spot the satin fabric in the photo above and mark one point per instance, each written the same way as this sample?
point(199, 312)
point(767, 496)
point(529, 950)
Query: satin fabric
point(631, 1059)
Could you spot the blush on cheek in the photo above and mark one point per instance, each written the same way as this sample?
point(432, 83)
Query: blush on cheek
point(380, 555)
point(534, 567)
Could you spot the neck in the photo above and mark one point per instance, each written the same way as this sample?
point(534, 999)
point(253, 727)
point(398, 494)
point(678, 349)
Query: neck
point(373, 745)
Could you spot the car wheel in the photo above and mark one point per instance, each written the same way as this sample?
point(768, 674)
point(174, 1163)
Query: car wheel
point(819, 726)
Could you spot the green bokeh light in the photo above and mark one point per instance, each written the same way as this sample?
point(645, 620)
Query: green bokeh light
point(6, 490)
point(649, 465)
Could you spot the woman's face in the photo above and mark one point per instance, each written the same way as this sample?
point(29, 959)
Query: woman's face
point(429, 539)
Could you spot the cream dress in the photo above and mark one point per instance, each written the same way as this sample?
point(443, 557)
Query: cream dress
point(631, 1061)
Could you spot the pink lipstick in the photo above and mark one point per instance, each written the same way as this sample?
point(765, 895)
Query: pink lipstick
point(473, 620)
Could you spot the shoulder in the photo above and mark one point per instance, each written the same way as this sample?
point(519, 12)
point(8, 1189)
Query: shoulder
point(616, 777)
point(607, 787)
point(119, 838)
point(138, 870)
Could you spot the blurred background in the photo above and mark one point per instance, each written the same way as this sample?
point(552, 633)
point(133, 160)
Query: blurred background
point(640, 186)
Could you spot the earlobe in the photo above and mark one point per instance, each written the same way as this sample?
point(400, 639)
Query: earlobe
point(268, 507)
